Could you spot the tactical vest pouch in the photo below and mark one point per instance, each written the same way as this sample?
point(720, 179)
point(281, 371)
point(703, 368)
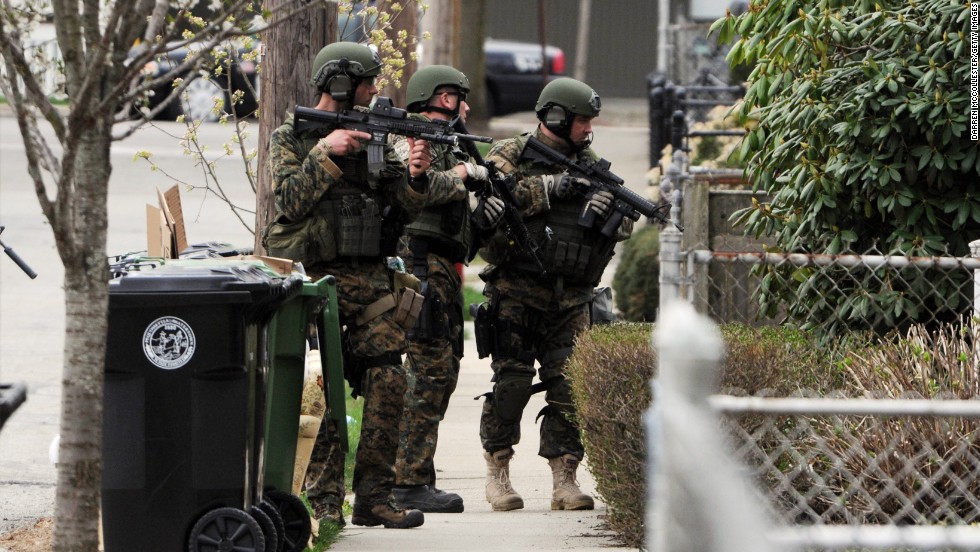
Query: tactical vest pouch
point(570, 259)
point(484, 330)
point(408, 298)
point(308, 241)
point(359, 227)
point(408, 307)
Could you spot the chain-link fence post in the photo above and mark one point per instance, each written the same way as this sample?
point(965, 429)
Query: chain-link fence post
point(671, 257)
point(975, 252)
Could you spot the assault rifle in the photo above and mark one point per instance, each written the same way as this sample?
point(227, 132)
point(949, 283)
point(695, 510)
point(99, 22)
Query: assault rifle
point(500, 185)
point(383, 119)
point(627, 203)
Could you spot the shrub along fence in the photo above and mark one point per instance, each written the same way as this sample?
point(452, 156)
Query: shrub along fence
point(895, 469)
point(871, 443)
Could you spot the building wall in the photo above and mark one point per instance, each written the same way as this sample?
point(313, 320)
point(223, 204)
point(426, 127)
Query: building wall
point(622, 38)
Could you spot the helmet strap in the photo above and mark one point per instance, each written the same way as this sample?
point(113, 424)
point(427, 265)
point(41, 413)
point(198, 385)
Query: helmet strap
point(440, 109)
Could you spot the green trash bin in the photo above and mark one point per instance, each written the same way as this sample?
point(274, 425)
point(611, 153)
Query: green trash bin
point(317, 302)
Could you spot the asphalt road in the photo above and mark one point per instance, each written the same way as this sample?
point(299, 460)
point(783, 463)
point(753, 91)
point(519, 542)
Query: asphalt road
point(32, 318)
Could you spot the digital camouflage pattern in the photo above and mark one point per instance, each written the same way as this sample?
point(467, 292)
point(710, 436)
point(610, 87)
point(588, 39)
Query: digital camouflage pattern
point(383, 387)
point(302, 174)
point(433, 373)
point(546, 314)
point(433, 367)
point(325, 474)
point(445, 185)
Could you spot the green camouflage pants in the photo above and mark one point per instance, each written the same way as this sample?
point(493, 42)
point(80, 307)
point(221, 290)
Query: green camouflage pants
point(325, 475)
point(528, 334)
point(433, 370)
point(382, 387)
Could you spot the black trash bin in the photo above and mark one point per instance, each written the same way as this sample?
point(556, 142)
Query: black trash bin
point(184, 405)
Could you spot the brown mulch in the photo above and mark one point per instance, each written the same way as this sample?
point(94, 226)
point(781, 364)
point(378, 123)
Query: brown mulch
point(33, 538)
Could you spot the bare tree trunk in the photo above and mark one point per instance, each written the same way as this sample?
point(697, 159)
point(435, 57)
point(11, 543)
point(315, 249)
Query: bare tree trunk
point(285, 82)
point(473, 31)
point(80, 227)
point(442, 22)
point(407, 21)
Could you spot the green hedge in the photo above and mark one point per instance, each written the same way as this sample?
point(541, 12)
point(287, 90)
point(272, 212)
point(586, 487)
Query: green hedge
point(611, 370)
point(612, 366)
point(637, 279)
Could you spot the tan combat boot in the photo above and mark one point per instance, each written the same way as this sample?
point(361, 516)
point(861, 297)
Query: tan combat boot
point(500, 494)
point(566, 494)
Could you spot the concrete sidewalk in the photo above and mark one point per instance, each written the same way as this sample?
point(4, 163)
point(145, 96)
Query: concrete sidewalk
point(461, 469)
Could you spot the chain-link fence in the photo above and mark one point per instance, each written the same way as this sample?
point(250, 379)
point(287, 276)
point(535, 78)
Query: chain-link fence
point(861, 468)
point(831, 295)
point(821, 472)
point(895, 465)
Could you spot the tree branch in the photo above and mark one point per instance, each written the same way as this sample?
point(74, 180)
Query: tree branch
point(10, 47)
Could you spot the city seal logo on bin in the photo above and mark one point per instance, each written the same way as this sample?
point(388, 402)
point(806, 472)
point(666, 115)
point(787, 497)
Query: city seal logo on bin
point(169, 343)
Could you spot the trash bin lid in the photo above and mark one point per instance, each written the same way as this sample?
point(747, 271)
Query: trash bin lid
point(210, 281)
point(189, 278)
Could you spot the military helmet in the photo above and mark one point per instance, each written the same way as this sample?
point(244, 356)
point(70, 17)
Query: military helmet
point(348, 60)
point(426, 81)
point(571, 95)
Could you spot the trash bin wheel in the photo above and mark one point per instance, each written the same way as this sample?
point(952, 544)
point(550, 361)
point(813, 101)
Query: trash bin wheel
point(268, 528)
point(224, 530)
point(295, 517)
point(270, 510)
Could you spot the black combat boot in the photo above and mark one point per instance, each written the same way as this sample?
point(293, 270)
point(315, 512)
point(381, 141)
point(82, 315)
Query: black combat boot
point(428, 499)
point(388, 514)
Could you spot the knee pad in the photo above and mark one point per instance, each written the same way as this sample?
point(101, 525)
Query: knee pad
point(510, 396)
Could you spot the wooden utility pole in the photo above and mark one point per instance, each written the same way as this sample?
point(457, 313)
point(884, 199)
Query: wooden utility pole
point(543, 38)
point(284, 82)
point(582, 42)
point(442, 22)
point(473, 31)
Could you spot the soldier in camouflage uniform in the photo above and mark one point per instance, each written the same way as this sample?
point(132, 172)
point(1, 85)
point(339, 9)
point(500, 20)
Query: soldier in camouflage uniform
point(339, 218)
point(435, 242)
point(534, 317)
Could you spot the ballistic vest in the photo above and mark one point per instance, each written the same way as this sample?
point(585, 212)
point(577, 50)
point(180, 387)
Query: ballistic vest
point(446, 228)
point(576, 253)
point(346, 223)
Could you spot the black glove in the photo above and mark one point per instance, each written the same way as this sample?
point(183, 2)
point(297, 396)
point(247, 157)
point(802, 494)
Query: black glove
point(562, 186)
point(493, 211)
point(601, 203)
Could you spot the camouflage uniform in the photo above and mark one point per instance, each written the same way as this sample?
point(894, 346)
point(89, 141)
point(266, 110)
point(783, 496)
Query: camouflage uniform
point(537, 317)
point(304, 177)
point(435, 345)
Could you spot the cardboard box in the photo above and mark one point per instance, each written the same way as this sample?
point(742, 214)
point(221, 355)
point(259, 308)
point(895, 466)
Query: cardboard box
point(165, 235)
